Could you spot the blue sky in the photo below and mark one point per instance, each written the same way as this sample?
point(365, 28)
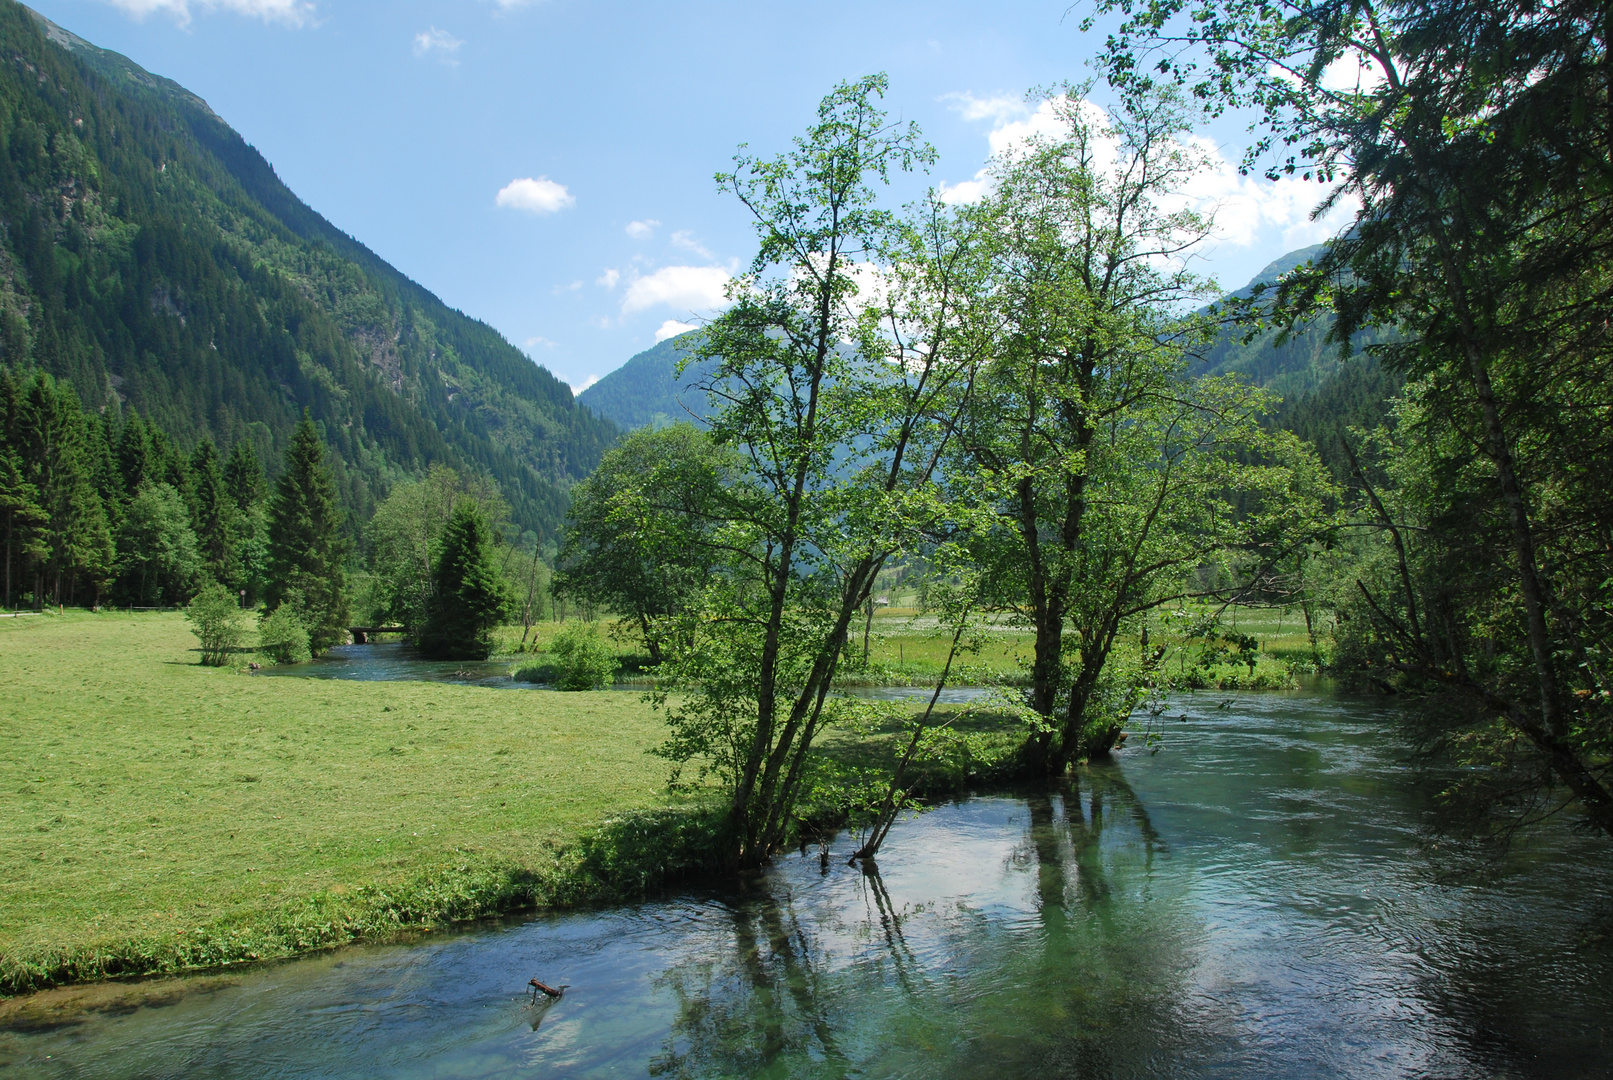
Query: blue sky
point(546, 165)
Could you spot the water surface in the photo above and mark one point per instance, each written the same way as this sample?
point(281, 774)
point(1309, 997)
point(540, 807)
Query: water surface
point(394, 661)
point(1248, 903)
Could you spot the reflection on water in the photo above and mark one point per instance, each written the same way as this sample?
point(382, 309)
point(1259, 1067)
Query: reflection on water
point(1247, 903)
point(393, 661)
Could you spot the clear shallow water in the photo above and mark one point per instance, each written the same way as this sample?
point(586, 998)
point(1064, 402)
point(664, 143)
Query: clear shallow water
point(392, 661)
point(1245, 904)
point(396, 662)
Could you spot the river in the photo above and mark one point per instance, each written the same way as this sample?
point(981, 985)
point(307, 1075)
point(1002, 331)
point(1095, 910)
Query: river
point(1250, 902)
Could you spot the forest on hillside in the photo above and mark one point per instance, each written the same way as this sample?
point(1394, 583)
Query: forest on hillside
point(151, 260)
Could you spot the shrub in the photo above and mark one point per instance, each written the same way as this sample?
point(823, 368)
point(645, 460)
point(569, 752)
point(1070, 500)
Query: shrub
point(585, 661)
point(538, 671)
point(282, 637)
point(215, 619)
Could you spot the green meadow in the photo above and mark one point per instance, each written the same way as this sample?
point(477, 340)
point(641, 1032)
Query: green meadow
point(156, 814)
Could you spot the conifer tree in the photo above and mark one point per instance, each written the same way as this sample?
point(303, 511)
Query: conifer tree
point(243, 476)
point(50, 439)
point(134, 454)
point(469, 597)
point(307, 551)
point(19, 513)
point(210, 512)
point(244, 484)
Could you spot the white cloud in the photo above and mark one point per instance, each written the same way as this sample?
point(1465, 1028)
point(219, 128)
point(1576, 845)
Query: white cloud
point(692, 288)
point(642, 230)
point(684, 239)
point(586, 383)
point(1251, 210)
point(1350, 72)
point(1015, 126)
point(290, 12)
point(573, 287)
point(441, 42)
point(609, 278)
point(998, 107)
point(672, 328)
point(965, 191)
point(540, 196)
point(537, 340)
point(1248, 211)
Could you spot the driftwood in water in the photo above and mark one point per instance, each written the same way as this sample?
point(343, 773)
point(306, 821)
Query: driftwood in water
point(546, 989)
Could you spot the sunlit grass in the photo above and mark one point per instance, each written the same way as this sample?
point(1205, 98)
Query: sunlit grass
point(142, 795)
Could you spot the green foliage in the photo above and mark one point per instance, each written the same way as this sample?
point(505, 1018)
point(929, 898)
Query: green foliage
point(584, 660)
point(837, 402)
point(212, 512)
point(405, 538)
point(282, 637)
point(1112, 479)
point(307, 545)
point(160, 563)
point(469, 596)
point(1484, 217)
point(215, 617)
point(641, 535)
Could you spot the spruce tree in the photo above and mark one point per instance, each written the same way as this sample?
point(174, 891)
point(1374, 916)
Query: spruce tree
point(243, 476)
point(20, 513)
point(469, 597)
point(307, 549)
point(134, 454)
point(243, 481)
point(210, 513)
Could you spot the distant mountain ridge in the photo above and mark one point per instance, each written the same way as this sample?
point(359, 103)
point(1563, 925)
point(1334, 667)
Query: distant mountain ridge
point(647, 392)
point(153, 258)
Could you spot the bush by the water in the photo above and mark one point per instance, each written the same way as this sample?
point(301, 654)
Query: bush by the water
point(584, 660)
point(282, 637)
point(215, 619)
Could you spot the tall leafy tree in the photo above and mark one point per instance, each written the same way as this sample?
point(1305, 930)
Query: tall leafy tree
point(307, 545)
point(1476, 138)
point(1113, 474)
point(469, 598)
point(159, 561)
point(641, 534)
point(835, 376)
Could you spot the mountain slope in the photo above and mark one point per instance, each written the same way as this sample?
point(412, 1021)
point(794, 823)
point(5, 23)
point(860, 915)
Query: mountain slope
point(646, 391)
point(155, 260)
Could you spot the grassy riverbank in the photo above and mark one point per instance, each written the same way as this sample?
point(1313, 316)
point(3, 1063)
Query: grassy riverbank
point(156, 815)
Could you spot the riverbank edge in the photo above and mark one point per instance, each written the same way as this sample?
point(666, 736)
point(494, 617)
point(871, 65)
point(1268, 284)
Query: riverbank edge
point(621, 860)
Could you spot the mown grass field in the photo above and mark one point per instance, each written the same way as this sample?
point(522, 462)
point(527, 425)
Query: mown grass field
point(144, 797)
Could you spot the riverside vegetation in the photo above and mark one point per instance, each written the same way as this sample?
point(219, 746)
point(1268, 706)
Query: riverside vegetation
point(995, 405)
point(161, 815)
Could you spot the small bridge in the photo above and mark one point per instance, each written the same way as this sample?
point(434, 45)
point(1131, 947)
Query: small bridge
point(362, 634)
